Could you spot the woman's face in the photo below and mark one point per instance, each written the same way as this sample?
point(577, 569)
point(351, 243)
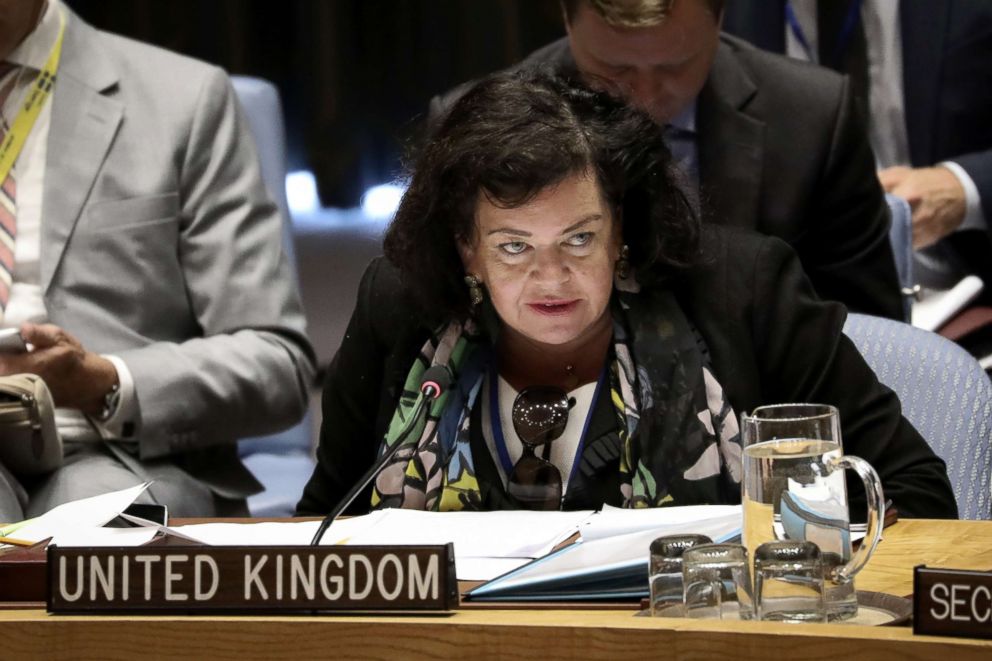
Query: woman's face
point(548, 264)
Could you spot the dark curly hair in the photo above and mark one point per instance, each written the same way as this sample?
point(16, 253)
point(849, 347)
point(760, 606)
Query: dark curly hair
point(512, 135)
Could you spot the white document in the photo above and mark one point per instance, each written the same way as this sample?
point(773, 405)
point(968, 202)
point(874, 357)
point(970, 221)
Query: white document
point(938, 307)
point(487, 544)
point(503, 534)
point(104, 537)
point(276, 533)
point(78, 516)
point(486, 569)
point(250, 534)
point(612, 521)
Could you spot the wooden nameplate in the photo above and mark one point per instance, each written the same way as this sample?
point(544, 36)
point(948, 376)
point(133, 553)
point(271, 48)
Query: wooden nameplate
point(952, 602)
point(251, 579)
point(22, 574)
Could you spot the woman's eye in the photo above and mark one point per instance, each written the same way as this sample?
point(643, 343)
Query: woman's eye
point(513, 247)
point(580, 239)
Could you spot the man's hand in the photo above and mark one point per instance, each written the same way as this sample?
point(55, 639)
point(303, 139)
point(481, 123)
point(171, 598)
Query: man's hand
point(77, 378)
point(936, 197)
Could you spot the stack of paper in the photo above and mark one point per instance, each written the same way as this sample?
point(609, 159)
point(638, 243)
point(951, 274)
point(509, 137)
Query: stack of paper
point(79, 523)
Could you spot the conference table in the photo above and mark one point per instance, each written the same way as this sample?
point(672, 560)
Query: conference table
point(518, 632)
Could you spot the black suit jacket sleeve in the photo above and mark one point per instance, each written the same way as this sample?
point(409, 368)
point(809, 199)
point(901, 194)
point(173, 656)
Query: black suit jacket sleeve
point(355, 396)
point(805, 357)
point(845, 247)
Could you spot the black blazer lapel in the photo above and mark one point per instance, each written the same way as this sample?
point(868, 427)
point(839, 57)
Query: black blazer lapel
point(730, 143)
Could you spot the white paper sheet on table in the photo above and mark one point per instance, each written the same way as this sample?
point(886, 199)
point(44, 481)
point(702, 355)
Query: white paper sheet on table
point(613, 521)
point(475, 534)
point(487, 544)
point(76, 518)
point(504, 534)
point(104, 537)
point(486, 569)
point(296, 533)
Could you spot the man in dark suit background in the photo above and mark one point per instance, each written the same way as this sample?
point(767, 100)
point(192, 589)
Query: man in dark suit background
point(768, 143)
point(930, 62)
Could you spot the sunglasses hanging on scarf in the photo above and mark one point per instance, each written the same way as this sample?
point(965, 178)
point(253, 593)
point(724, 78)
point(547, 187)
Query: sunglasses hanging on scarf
point(540, 415)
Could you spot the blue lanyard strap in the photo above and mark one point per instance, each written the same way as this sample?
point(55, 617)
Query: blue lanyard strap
point(847, 30)
point(494, 416)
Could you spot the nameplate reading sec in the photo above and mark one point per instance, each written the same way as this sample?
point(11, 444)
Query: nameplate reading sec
point(255, 579)
point(952, 602)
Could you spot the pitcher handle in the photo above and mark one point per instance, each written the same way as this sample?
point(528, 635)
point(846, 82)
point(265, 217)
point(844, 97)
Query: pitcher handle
point(876, 514)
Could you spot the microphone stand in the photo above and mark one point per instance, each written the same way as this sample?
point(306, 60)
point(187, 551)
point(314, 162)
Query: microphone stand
point(430, 390)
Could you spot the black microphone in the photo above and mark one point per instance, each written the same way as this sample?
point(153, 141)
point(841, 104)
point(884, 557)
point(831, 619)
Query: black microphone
point(436, 380)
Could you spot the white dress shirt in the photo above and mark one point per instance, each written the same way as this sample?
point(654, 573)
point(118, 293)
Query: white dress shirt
point(887, 125)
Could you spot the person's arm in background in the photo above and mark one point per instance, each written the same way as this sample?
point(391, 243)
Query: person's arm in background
point(945, 198)
point(249, 368)
point(805, 357)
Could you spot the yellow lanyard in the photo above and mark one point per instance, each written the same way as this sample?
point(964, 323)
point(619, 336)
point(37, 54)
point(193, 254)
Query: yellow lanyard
point(40, 90)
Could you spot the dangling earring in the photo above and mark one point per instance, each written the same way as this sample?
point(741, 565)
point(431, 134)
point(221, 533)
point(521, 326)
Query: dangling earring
point(623, 263)
point(474, 289)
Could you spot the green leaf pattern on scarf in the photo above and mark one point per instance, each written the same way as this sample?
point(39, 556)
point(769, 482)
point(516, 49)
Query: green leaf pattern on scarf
point(660, 385)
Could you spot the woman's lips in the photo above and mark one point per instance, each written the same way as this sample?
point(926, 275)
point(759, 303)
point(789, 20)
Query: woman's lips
point(554, 308)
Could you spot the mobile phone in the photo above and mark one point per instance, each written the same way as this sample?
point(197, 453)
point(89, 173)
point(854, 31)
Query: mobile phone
point(155, 513)
point(11, 341)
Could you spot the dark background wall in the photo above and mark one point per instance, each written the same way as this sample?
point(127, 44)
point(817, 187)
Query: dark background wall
point(354, 74)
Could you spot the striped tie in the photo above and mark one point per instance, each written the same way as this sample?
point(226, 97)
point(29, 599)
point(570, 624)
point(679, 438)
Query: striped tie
point(8, 208)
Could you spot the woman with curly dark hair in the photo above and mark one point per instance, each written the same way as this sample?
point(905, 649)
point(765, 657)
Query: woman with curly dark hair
point(600, 342)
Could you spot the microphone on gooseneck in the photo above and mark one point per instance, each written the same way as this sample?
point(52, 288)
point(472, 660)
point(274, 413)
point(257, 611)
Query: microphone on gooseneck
point(435, 381)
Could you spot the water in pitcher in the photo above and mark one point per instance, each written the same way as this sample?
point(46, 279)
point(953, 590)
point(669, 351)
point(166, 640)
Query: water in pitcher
point(791, 492)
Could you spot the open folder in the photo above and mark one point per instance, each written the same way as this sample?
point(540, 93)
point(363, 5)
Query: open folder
point(601, 566)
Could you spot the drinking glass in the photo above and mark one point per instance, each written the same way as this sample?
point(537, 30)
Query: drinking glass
point(717, 582)
point(794, 489)
point(788, 582)
point(665, 576)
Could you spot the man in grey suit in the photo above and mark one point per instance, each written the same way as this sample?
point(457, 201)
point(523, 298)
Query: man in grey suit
point(768, 143)
point(149, 274)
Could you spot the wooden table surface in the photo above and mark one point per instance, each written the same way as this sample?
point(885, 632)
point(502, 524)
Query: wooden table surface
point(950, 544)
point(545, 634)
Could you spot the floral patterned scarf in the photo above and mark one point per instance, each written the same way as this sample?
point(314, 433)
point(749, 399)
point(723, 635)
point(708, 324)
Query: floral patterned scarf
point(679, 434)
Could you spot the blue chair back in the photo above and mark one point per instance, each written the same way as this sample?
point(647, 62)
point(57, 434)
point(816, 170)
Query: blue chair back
point(901, 238)
point(945, 394)
point(282, 462)
point(263, 111)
